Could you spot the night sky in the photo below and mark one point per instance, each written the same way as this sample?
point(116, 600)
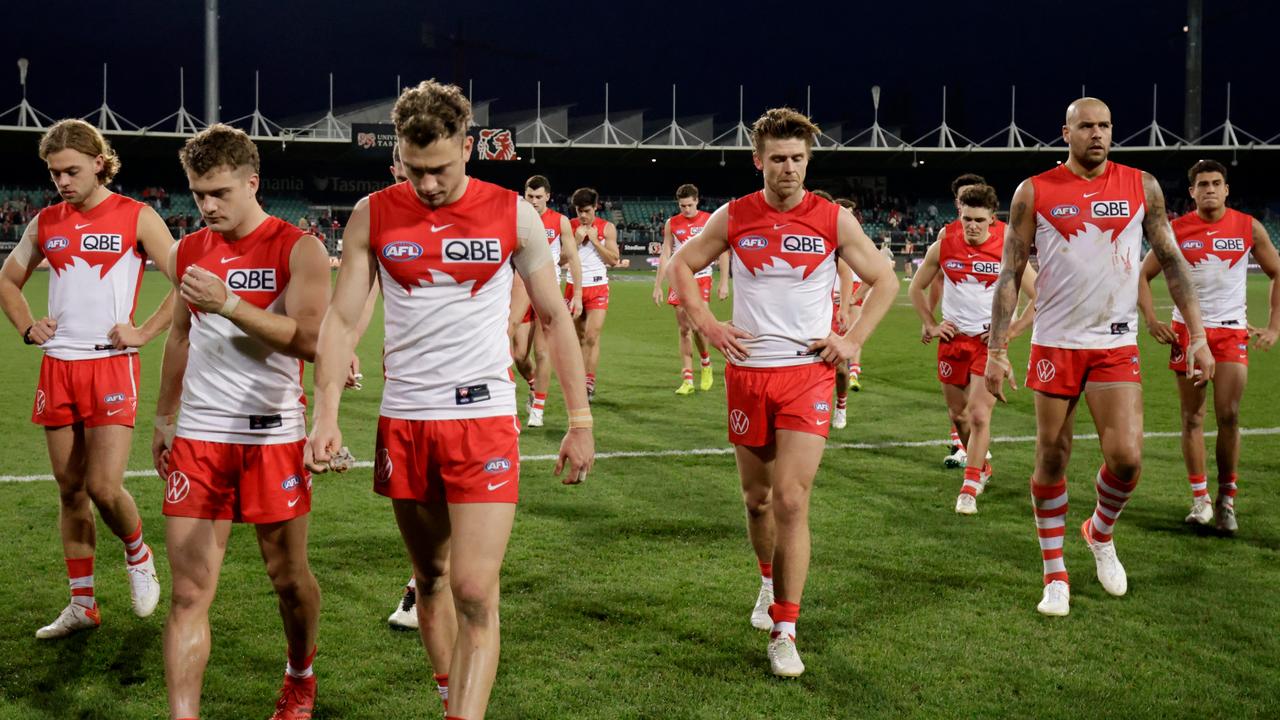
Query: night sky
point(977, 49)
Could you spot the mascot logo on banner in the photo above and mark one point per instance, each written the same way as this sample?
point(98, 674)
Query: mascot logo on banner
point(495, 144)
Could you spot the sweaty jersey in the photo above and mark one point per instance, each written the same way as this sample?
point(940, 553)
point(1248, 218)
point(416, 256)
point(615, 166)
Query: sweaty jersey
point(969, 274)
point(594, 271)
point(783, 269)
point(683, 230)
point(1218, 253)
point(1089, 241)
point(551, 220)
point(446, 286)
point(96, 268)
point(237, 389)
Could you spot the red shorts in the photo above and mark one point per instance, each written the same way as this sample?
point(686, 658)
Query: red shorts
point(102, 391)
point(595, 297)
point(704, 284)
point(1061, 371)
point(457, 461)
point(243, 483)
point(528, 316)
point(962, 356)
point(1227, 345)
point(857, 285)
point(764, 400)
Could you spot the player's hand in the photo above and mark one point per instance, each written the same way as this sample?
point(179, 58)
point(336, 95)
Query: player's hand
point(161, 441)
point(944, 330)
point(1263, 338)
point(575, 305)
point(1200, 363)
point(845, 319)
point(581, 233)
point(124, 335)
point(1162, 333)
point(577, 455)
point(726, 338)
point(354, 376)
point(835, 349)
point(657, 295)
point(999, 368)
point(724, 291)
point(203, 290)
point(42, 330)
point(323, 445)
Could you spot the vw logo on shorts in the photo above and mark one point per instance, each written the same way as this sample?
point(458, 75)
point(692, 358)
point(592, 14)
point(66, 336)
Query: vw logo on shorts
point(738, 422)
point(497, 465)
point(1175, 354)
point(944, 368)
point(41, 401)
point(177, 487)
point(1045, 370)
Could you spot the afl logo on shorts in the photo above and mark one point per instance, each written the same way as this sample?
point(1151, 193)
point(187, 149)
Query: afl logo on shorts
point(41, 401)
point(1065, 211)
point(739, 423)
point(113, 398)
point(402, 251)
point(56, 243)
point(944, 368)
point(177, 487)
point(497, 465)
point(291, 483)
point(753, 242)
point(1045, 370)
point(822, 406)
point(382, 467)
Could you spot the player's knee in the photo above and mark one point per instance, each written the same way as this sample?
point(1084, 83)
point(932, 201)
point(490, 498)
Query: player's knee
point(758, 504)
point(978, 420)
point(477, 602)
point(1125, 463)
point(1193, 420)
point(72, 493)
point(1228, 417)
point(188, 596)
point(790, 505)
point(590, 338)
point(103, 493)
point(294, 587)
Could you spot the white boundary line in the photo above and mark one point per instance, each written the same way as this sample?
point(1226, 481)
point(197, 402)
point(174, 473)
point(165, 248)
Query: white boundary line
point(727, 451)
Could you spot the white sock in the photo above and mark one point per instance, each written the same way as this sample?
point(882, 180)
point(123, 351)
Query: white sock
point(784, 628)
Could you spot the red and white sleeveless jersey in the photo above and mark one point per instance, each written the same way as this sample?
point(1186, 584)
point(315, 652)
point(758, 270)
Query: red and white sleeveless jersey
point(1089, 241)
point(784, 267)
point(682, 231)
point(594, 271)
point(551, 221)
point(446, 285)
point(1218, 253)
point(969, 274)
point(96, 269)
point(237, 389)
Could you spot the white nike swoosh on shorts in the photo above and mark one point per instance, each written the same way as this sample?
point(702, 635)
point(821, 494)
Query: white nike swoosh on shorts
point(294, 501)
point(493, 487)
point(114, 412)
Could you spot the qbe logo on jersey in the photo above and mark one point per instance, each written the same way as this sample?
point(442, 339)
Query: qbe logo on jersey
point(1228, 244)
point(986, 267)
point(252, 279)
point(471, 250)
point(101, 242)
point(807, 244)
point(1104, 209)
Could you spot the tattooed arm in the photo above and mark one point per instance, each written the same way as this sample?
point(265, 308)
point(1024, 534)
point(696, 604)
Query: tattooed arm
point(1177, 275)
point(1017, 248)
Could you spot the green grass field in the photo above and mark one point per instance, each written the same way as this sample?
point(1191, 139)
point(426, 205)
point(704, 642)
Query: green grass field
point(628, 596)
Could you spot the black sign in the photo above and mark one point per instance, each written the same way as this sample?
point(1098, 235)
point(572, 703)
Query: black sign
point(490, 143)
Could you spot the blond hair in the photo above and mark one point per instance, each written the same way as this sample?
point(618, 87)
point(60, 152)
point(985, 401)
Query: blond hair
point(431, 111)
point(782, 124)
point(82, 137)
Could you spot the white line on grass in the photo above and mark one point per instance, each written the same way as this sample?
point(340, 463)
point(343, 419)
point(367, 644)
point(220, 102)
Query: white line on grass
point(729, 451)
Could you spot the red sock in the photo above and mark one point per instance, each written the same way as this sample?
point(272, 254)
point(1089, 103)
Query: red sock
point(591, 382)
point(1049, 503)
point(1113, 495)
point(80, 575)
point(785, 615)
point(1199, 487)
point(303, 672)
point(706, 359)
point(1227, 490)
point(972, 481)
point(688, 375)
point(766, 570)
point(136, 552)
point(442, 687)
point(855, 369)
point(539, 400)
point(842, 399)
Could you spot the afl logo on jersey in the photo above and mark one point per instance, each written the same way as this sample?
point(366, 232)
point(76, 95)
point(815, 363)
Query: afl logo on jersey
point(100, 242)
point(472, 250)
point(402, 251)
point(953, 265)
point(56, 243)
point(260, 279)
point(1193, 245)
point(753, 242)
point(1110, 209)
point(1065, 211)
point(807, 244)
point(497, 465)
point(1229, 244)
